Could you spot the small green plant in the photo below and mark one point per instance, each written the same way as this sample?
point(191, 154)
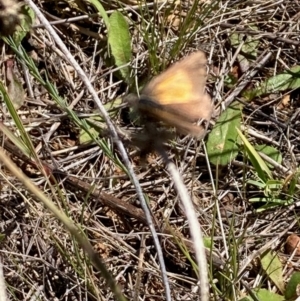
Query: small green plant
point(273, 269)
point(276, 192)
point(287, 80)
point(222, 146)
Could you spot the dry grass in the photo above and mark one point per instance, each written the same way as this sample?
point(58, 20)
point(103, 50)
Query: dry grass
point(40, 258)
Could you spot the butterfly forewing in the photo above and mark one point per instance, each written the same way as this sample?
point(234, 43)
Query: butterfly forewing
point(182, 82)
point(177, 96)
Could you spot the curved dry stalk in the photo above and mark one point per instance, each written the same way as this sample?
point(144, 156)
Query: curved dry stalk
point(114, 136)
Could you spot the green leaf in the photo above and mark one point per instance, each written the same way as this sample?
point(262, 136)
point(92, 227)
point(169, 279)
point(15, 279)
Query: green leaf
point(87, 136)
point(222, 145)
point(271, 152)
point(293, 183)
point(230, 80)
point(258, 163)
point(265, 295)
point(249, 45)
point(208, 242)
point(269, 204)
point(288, 80)
point(292, 287)
point(119, 41)
point(249, 48)
point(102, 11)
point(273, 268)
point(27, 20)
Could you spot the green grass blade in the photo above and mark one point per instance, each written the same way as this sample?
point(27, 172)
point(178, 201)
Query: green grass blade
point(258, 163)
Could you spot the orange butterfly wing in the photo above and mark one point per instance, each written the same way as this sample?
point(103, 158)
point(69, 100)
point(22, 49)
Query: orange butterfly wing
point(177, 96)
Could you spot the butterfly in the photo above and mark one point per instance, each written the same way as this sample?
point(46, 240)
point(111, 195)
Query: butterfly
point(177, 96)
